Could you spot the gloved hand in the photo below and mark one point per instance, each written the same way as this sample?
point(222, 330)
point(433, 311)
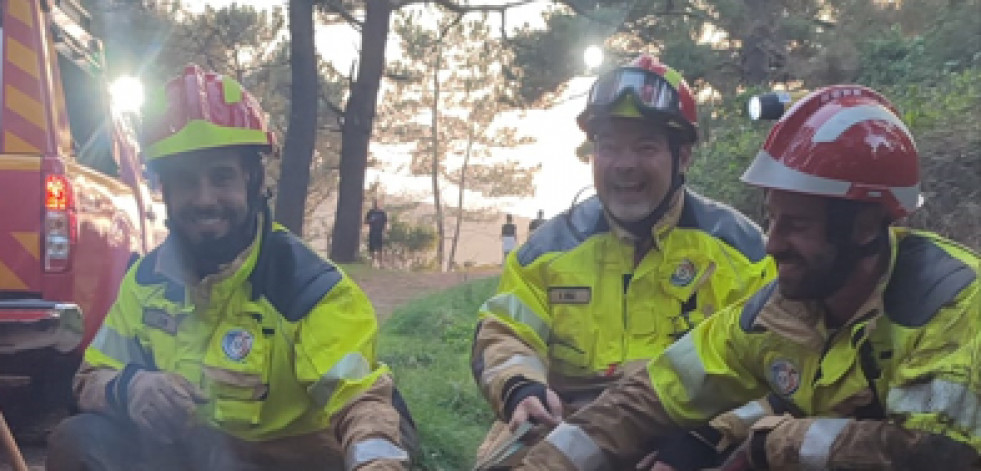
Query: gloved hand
point(526, 400)
point(751, 455)
point(162, 403)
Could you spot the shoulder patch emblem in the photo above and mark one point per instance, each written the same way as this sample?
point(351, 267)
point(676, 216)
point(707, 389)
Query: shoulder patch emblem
point(784, 377)
point(684, 273)
point(237, 344)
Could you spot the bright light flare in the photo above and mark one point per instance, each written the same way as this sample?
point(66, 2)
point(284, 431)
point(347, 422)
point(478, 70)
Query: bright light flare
point(126, 95)
point(593, 56)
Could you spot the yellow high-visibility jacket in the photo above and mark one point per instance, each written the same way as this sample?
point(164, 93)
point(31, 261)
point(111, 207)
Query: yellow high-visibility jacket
point(572, 311)
point(281, 341)
point(897, 387)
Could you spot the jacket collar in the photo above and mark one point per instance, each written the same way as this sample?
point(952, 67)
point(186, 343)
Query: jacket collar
point(172, 263)
point(803, 321)
point(660, 229)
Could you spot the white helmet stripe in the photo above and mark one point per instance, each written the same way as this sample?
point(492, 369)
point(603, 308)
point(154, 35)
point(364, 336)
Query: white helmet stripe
point(768, 172)
point(847, 117)
point(909, 196)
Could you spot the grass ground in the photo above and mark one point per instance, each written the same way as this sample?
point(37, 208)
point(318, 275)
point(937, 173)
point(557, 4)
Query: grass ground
point(427, 344)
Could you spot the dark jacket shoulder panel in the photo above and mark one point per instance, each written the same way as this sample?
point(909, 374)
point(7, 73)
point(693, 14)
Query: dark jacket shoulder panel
point(753, 307)
point(565, 231)
point(925, 278)
point(724, 223)
point(291, 276)
point(146, 275)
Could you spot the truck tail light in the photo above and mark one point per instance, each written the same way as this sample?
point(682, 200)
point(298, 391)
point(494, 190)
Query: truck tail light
point(59, 223)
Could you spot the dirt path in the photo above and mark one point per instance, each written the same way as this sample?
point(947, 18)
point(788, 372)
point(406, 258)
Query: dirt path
point(386, 289)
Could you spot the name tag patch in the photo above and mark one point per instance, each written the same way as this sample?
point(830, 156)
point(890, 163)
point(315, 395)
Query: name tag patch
point(570, 295)
point(161, 320)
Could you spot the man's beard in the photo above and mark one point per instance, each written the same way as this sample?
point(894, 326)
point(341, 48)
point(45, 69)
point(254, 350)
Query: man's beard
point(821, 277)
point(211, 251)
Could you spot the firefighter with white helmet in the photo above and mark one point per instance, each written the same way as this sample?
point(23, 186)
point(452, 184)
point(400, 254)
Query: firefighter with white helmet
point(869, 332)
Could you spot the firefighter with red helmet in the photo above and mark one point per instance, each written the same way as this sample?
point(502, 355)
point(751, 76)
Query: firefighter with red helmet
point(232, 346)
point(868, 335)
point(609, 284)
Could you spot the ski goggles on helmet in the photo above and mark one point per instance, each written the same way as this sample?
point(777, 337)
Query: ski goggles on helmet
point(651, 91)
point(651, 95)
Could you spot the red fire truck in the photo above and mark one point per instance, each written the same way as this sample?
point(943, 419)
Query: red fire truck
point(75, 209)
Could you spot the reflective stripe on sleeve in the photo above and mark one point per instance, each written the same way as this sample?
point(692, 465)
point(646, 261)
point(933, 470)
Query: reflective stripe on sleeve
point(578, 447)
point(527, 361)
point(749, 413)
point(954, 401)
point(351, 367)
point(510, 306)
point(686, 363)
point(126, 350)
point(816, 447)
point(372, 449)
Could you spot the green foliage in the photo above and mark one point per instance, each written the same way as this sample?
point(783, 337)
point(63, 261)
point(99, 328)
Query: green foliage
point(944, 115)
point(729, 142)
point(544, 59)
point(427, 345)
point(408, 244)
point(892, 58)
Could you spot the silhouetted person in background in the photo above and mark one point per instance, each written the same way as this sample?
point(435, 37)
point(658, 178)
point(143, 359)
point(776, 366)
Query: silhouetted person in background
point(376, 219)
point(538, 221)
point(509, 236)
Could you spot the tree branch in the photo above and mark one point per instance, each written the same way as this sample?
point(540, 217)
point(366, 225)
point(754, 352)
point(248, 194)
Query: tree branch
point(581, 12)
point(336, 7)
point(457, 8)
point(333, 107)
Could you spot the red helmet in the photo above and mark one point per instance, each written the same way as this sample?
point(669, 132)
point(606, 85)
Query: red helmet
point(655, 91)
point(201, 110)
point(844, 141)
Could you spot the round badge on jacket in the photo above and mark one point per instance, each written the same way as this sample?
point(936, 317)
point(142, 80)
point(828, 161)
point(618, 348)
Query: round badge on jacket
point(784, 377)
point(683, 273)
point(237, 343)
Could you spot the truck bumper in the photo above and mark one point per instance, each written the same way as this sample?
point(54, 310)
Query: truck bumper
point(34, 324)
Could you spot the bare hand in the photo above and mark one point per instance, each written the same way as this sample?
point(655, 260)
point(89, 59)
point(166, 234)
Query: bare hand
point(531, 408)
point(650, 463)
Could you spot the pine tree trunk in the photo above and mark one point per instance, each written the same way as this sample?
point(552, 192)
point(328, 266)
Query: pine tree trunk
point(437, 204)
point(302, 127)
point(459, 199)
point(359, 115)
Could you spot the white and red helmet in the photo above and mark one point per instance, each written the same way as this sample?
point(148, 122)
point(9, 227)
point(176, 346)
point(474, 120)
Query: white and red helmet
point(844, 141)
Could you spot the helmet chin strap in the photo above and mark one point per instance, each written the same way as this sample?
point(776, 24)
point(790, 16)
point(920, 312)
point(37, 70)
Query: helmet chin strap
point(642, 228)
point(850, 254)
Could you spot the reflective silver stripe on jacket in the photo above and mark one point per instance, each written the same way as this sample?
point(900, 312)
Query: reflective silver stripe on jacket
point(527, 361)
point(124, 349)
point(372, 449)
point(510, 306)
point(578, 447)
point(816, 447)
point(702, 394)
point(956, 402)
point(749, 413)
point(351, 367)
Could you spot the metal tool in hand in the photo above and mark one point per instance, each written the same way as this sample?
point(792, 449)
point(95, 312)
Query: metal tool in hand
point(505, 450)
